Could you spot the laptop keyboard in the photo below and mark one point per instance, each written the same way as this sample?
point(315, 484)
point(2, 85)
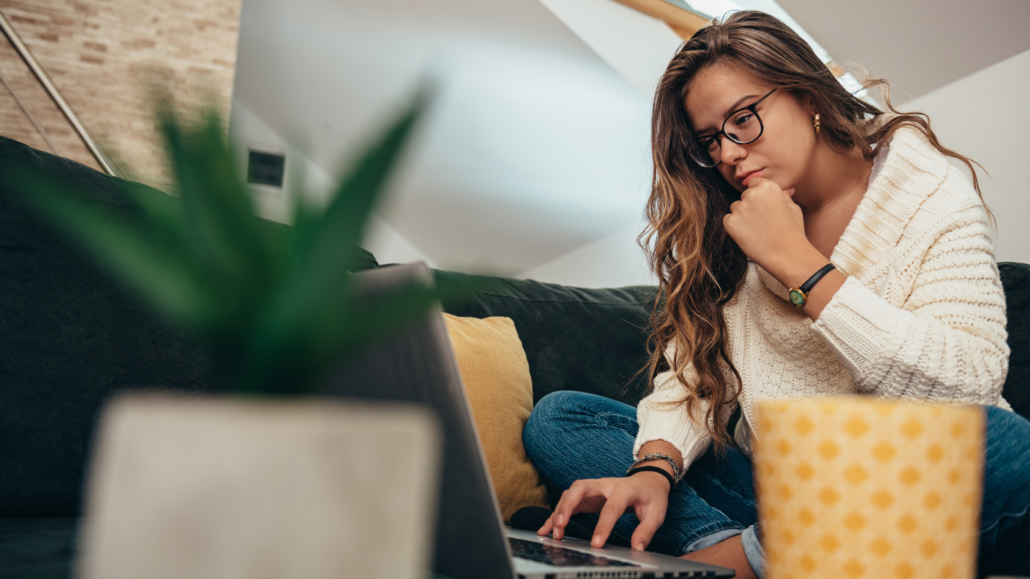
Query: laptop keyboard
point(560, 556)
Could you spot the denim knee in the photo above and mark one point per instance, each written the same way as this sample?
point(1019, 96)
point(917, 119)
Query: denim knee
point(573, 435)
point(1007, 452)
point(550, 405)
point(548, 415)
point(1005, 515)
point(543, 413)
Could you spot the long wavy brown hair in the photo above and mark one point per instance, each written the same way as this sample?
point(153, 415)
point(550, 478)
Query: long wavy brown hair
point(699, 267)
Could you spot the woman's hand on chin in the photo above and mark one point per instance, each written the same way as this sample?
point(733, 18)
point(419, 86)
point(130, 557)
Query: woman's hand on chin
point(768, 226)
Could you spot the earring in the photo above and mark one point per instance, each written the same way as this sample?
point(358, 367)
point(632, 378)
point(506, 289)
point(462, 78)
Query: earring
point(815, 123)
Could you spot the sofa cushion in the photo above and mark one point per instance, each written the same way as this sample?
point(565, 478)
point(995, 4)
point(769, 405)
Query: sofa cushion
point(589, 340)
point(1015, 278)
point(38, 548)
point(70, 337)
point(496, 375)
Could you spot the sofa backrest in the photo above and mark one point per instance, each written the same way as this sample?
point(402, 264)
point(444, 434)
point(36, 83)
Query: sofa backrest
point(70, 338)
point(589, 340)
point(1015, 278)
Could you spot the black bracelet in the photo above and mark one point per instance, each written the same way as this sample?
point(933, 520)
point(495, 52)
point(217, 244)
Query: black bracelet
point(651, 456)
point(661, 471)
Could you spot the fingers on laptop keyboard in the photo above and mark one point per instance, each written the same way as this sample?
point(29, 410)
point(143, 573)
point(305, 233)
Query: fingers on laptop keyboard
point(651, 518)
point(620, 499)
point(584, 496)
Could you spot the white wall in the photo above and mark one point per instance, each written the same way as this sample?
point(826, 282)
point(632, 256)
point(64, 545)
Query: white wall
point(302, 176)
point(637, 46)
point(533, 145)
point(247, 131)
point(614, 261)
point(984, 116)
point(389, 246)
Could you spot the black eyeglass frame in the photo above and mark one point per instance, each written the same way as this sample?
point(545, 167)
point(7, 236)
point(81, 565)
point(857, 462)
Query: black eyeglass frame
point(696, 143)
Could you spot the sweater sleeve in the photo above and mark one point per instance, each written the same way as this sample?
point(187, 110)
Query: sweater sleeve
point(947, 342)
point(660, 417)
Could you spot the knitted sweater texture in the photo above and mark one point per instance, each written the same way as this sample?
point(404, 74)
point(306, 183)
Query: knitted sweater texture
point(921, 315)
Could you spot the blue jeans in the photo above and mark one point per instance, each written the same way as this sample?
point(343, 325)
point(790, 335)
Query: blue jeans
point(573, 435)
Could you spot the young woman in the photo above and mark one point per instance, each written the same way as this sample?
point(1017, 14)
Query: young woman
point(767, 171)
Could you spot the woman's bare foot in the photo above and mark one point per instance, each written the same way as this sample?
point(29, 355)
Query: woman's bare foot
point(728, 553)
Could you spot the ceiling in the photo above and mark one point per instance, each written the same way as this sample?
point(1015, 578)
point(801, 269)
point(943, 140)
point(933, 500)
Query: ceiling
point(918, 45)
point(534, 146)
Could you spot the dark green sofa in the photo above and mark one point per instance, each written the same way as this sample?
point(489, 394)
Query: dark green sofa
point(70, 338)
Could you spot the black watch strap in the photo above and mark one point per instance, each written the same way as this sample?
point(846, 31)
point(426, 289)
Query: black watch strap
point(808, 285)
point(799, 296)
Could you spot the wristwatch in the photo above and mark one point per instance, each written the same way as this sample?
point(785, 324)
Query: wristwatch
point(799, 295)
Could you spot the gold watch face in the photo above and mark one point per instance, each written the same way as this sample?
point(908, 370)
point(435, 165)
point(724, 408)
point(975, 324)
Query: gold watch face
point(797, 297)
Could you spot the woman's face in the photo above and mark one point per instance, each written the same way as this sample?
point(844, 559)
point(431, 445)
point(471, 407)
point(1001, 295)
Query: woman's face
point(786, 148)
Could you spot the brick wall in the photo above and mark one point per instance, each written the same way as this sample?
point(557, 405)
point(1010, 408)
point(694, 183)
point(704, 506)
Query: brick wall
point(103, 55)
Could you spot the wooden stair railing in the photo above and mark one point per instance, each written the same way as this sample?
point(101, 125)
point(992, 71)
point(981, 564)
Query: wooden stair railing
point(55, 95)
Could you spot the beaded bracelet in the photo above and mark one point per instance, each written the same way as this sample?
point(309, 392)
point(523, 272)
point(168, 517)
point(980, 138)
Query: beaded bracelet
point(658, 456)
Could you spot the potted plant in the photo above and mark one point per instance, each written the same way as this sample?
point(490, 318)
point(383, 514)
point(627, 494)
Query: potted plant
point(270, 478)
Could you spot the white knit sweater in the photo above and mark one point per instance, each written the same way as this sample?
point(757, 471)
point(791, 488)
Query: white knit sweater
point(920, 316)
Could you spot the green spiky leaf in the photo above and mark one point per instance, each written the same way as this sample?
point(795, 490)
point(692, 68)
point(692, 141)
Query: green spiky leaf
point(277, 311)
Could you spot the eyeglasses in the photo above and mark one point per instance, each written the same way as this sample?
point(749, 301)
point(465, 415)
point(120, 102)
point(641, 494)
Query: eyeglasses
point(745, 126)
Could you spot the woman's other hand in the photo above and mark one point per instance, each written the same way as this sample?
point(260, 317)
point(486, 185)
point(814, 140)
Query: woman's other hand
point(645, 494)
point(767, 225)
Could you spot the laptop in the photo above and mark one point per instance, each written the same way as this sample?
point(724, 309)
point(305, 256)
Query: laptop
point(417, 364)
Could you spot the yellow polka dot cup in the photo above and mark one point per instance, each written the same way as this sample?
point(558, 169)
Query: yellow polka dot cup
point(856, 488)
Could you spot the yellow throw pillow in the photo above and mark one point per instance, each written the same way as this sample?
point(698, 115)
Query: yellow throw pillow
point(496, 374)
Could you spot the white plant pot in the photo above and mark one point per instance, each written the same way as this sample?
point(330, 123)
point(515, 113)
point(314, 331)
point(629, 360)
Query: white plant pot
point(226, 488)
